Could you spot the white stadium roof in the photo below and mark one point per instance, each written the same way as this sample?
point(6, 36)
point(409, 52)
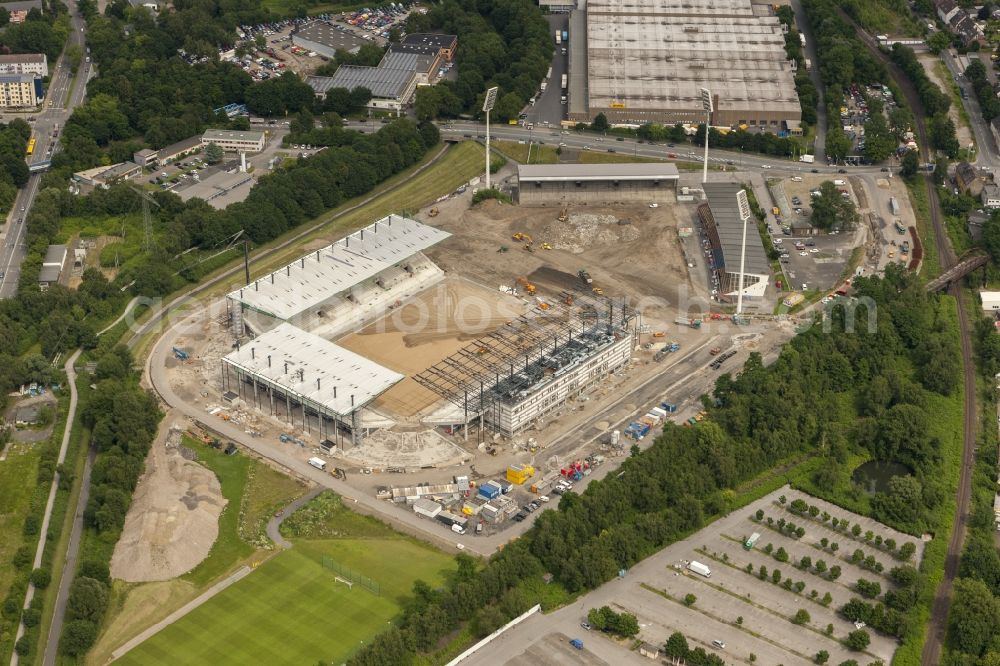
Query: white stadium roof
point(322, 274)
point(312, 369)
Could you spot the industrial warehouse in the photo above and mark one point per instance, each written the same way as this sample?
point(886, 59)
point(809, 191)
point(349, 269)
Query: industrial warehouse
point(646, 61)
point(608, 184)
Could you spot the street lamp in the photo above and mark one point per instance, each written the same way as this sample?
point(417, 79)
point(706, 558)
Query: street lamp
point(706, 104)
point(744, 206)
point(491, 99)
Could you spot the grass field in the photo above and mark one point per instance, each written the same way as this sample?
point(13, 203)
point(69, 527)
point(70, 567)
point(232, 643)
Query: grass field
point(255, 491)
point(290, 610)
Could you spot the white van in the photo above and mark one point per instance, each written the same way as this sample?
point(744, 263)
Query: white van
point(318, 463)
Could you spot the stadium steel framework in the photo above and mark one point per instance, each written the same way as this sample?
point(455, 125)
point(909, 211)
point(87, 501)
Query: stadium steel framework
point(515, 358)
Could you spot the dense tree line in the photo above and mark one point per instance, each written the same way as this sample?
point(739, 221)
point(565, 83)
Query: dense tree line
point(501, 42)
point(42, 31)
point(122, 419)
point(974, 621)
point(935, 102)
point(843, 58)
point(988, 102)
point(869, 392)
point(808, 95)
point(13, 169)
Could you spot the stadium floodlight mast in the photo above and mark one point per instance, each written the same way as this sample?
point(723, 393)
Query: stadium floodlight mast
point(744, 206)
point(706, 104)
point(491, 99)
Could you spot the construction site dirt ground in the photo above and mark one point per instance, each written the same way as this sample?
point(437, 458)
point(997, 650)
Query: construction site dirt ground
point(630, 251)
point(423, 331)
point(174, 517)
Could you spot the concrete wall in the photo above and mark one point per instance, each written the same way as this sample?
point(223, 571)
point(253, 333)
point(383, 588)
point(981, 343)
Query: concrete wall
point(603, 193)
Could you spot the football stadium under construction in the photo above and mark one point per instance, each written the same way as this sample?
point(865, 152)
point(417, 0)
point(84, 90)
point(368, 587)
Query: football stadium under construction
point(287, 362)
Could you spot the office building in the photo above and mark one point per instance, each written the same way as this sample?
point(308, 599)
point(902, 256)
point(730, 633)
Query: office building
point(233, 141)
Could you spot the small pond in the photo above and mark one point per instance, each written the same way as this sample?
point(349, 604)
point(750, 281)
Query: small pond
point(874, 475)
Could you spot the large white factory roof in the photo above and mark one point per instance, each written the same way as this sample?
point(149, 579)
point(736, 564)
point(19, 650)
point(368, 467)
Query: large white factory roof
point(658, 54)
point(320, 275)
point(313, 369)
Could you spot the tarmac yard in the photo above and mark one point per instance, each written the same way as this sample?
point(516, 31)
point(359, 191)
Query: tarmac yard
point(747, 614)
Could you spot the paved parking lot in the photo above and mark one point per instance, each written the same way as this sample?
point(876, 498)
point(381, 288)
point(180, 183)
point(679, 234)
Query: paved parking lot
point(749, 615)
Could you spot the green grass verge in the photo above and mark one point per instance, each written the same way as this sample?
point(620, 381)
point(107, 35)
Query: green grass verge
point(594, 157)
point(228, 549)
point(931, 266)
point(250, 623)
point(519, 152)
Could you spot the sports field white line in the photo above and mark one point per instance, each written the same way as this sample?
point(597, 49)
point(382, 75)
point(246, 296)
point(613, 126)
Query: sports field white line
point(238, 575)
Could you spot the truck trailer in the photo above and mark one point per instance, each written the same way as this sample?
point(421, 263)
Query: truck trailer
point(700, 569)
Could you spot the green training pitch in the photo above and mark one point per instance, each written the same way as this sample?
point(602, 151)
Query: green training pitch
point(290, 611)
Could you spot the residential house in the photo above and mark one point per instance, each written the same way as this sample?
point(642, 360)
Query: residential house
point(967, 179)
point(991, 195)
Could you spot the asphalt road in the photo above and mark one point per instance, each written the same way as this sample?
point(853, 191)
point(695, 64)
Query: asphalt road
point(553, 135)
point(50, 503)
point(801, 20)
point(60, 101)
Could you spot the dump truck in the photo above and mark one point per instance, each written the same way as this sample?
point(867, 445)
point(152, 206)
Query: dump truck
point(700, 569)
point(686, 321)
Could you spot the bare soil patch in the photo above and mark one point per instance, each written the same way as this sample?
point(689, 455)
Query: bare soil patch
point(631, 251)
point(426, 329)
point(174, 517)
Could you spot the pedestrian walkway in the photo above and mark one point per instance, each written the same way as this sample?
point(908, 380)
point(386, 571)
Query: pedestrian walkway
point(238, 575)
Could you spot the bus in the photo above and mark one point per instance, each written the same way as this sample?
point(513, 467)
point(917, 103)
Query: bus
point(31, 145)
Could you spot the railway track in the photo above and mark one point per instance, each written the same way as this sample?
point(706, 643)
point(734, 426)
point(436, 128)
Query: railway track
point(931, 655)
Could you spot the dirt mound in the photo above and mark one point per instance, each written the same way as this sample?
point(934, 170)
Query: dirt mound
point(174, 517)
point(585, 230)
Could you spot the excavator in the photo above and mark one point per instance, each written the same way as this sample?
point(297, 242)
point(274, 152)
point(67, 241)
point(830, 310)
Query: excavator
point(527, 286)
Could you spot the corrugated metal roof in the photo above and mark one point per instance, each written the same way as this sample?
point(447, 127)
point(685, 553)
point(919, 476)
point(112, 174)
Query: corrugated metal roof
point(383, 83)
point(722, 201)
point(637, 171)
point(309, 367)
point(322, 274)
